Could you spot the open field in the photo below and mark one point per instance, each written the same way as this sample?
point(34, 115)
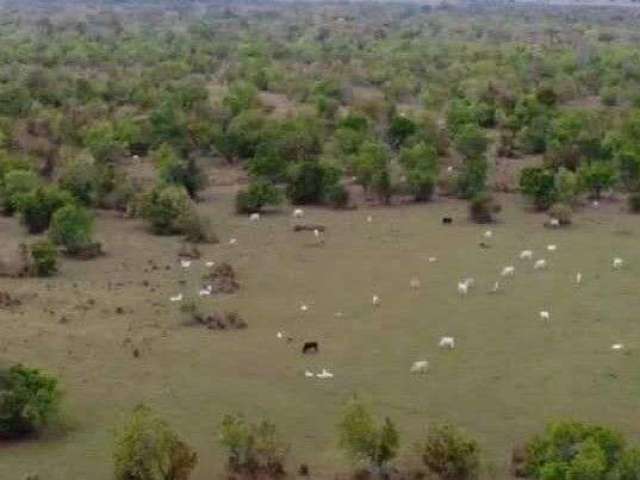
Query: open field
point(508, 375)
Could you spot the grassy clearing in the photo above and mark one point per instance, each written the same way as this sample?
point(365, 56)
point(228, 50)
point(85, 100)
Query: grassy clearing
point(509, 374)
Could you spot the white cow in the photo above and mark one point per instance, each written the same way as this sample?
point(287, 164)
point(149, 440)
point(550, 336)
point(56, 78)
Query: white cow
point(324, 374)
point(526, 255)
point(617, 346)
point(185, 263)
point(308, 374)
point(447, 342)
point(421, 366)
point(375, 300)
point(544, 315)
point(463, 288)
point(552, 248)
point(554, 222)
point(488, 234)
point(414, 283)
point(508, 271)
point(254, 217)
point(540, 264)
point(617, 263)
point(177, 298)
point(578, 278)
point(298, 213)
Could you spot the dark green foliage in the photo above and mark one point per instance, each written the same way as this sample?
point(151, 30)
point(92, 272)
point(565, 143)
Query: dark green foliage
point(400, 129)
point(450, 454)
point(337, 196)
point(483, 208)
point(470, 142)
point(71, 227)
point(260, 193)
point(308, 182)
point(146, 448)
point(571, 450)
point(634, 202)
point(472, 178)
point(79, 176)
point(539, 184)
point(37, 207)
point(41, 259)
point(29, 399)
point(597, 177)
point(175, 170)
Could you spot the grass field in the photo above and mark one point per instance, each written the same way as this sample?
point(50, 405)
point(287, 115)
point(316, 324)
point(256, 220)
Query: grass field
point(509, 374)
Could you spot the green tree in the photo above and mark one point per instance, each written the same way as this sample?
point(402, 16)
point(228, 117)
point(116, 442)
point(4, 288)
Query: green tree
point(260, 193)
point(307, 182)
point(175, 170)
point(596, 177)
point(539, 184)
point(365, 441)
point(421, 165)
point(166, 208)
point(79, 176)
point(471, 142)
point(71, 227)
point(146, 448)
point(37, 207)
point(29, 399)
point(450, 454)
point(15, 184)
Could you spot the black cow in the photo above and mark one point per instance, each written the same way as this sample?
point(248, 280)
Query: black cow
point(310, 347)
point(447, 220)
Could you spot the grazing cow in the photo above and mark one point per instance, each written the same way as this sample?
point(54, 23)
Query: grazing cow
point(463, 288)
point(617, 346)
point(554, 222)
point(308, 374)
point(421, 366)
point(447, 220)
point(310, 347)
point(540, 264)
point(375, 300)
point(544, 315)
point(552, 248)
point(578, 278)
point(414, 283)
point(298, 213)
point(324, 374)
point(488, 234)
point(447, 342)
point(526, 255)
point(509, 271)
point(617, 263)
point(254, 217)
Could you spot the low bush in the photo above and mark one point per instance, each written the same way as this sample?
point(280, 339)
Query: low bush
point(253, 448)
point(634, 202)
point(260, 193)
point(38, 206)
point(450, 454)
point(16, 183)
point(146, 448)
point(337, 196)
point(166, 208)
point(561, 212)
point(366, 441)
point(71, 227)
point(197, 228)
point(40, 259)
point(571, 450)
point(29, 399)
point(483, 208)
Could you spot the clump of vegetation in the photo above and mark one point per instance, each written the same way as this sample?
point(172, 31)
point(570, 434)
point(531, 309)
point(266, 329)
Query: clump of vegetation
point(72, 227)
point(146, 448)
point(253, 448)
point(365, 441)
point(29, 400)
point(562, 213)
point(16, 183)
point(175, 170)
point(260, 193)
point(483, 208)
point(570, 450)
point(308, 182)
point(337, 196)
point(223, 279)
point(40, 259)
point(450, 454)
point(634, 202)
point(38, 206)
point(166, 208)
point(197, 228)
point(539, 184)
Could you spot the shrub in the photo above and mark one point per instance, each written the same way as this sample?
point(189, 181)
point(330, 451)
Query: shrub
point(572, 450)
point(561, 212)
point(40, 259)
point(539, 184)
point(261, 192)
point(37, 207)
point(29, 399)
point(400, 129)
point(483, 207)
point(197, 228)
point(309, 180)
point(472, 178)
point(567, 186)
point(71, 227)
point(634, 202)
point(147, 449)
point(174, 170)
point(364, 440)
point(471, 142)
point(337, 196)
point(450, 454)
point(16, 183)
point(79, 177)
point(166, 208)
point(596, 177)
point(252, 448)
